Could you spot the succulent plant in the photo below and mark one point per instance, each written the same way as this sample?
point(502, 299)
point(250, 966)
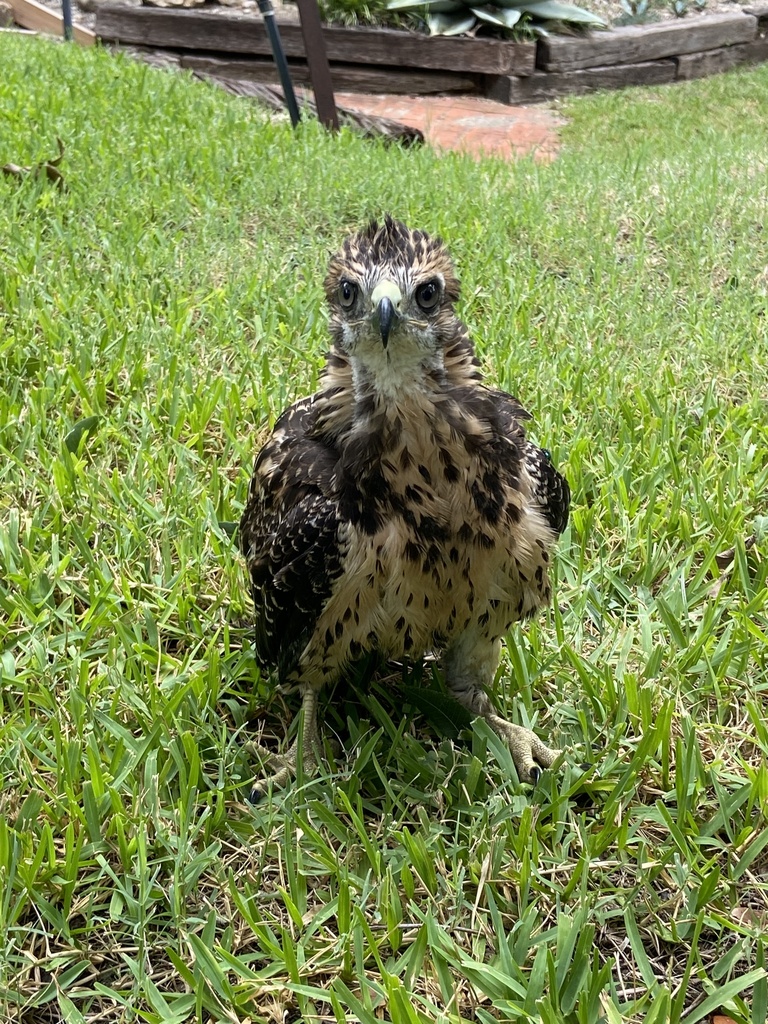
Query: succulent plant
point(635, 12)
point(456, 17)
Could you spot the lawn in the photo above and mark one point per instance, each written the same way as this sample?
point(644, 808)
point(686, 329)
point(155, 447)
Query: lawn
point(155, 316)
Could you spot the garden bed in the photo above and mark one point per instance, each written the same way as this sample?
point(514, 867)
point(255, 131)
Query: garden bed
point(389, 60)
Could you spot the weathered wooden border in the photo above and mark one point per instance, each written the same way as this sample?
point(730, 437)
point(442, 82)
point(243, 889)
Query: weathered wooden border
point(385, 60)
point(200, 30)
point(713, 62)
point(638, 43)
point(345, 77)
point(548, 85)
point(32, 15)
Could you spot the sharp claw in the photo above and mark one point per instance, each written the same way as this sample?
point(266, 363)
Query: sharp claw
point(530, 754)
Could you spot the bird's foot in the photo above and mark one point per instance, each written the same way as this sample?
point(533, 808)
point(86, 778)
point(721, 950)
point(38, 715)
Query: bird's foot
point(280, 767)
point(283, 766)
point(529, 753)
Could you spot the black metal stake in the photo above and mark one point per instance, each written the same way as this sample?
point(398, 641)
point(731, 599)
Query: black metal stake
point(66, 10)
point(278, 54)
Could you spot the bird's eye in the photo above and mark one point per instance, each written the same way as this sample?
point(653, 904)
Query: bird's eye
point(428, 295)
point(347, 294)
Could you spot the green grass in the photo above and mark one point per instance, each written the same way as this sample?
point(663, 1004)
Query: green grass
point(173, 291)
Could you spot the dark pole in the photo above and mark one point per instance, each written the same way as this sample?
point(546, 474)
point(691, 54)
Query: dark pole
point(317, 59)
point(268, 13)
point(66, 10)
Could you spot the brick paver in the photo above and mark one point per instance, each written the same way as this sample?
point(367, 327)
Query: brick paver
point(470, 124)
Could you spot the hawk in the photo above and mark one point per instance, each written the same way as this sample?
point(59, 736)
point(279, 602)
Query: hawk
point(401, 509)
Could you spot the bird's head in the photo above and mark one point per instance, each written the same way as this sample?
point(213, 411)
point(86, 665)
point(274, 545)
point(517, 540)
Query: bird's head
point(391, 293)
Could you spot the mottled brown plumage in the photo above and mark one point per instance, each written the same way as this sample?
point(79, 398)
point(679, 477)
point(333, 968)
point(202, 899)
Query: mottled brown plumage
point(400, 509)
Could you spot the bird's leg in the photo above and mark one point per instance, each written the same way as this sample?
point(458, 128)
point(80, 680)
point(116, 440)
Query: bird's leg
point(469, 666)
point(284, 765)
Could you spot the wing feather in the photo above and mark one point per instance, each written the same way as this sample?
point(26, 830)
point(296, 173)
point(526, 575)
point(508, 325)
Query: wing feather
point(550, 488)
point(290, 536)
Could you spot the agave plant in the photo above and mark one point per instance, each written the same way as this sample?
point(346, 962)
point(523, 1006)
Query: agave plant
point(455, 17)
point(635, 12)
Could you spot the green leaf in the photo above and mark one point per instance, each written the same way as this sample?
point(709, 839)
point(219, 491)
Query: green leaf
point(721, 995)
point(71, 1012)
point(553, 10)
point(506, 17)
point(435, 6)
point(510, 17)
point(7, 665)
point(83, 428)
point(450, 24)
point(228, 527)
point(760, 990)
point(363, 1014)
point(638, 950)
point(753, 850)
point(444, 713)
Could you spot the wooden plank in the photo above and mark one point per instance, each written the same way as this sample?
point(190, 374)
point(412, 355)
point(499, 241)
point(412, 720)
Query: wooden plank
point(412, 49)
point(201, 30)
point(317, 61)
point(191, 30)
point(544, 86)
point(30, 14)
point(345, 77)
point(639, 43)
point(712, 62)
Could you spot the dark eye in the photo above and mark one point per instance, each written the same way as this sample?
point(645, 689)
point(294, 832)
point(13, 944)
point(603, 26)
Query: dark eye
point(347, 294)
point(428, 295)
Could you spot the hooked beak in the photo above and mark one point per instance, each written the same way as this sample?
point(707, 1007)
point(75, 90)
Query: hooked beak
point(386, 298)
point(386, 314)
